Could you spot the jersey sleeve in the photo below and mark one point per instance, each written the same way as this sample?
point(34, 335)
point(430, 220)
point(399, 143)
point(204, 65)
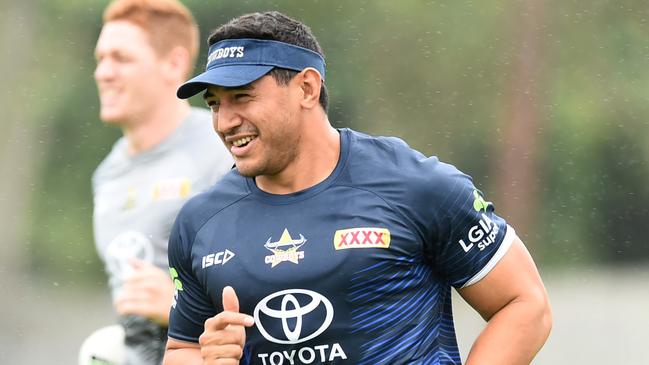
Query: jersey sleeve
point(191, 306)
point(466, 238)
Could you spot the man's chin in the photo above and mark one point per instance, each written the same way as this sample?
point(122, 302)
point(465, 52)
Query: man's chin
point(246, 173)
point(245, 169)
point(111, 117)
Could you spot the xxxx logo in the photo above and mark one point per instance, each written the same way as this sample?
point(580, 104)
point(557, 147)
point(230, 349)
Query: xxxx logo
point(362, 238)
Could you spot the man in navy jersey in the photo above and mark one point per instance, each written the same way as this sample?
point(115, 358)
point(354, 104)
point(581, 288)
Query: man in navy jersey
point(329, 246)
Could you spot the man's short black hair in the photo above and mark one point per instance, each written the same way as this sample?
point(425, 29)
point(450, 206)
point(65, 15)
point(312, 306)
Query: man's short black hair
point(272, 25)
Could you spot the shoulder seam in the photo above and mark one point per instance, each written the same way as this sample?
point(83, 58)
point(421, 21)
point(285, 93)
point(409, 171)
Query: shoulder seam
point(191, 246)
point(411, 224)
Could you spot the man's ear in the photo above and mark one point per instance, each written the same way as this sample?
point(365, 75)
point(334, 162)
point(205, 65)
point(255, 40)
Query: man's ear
point(176, 65)
point(310, 84)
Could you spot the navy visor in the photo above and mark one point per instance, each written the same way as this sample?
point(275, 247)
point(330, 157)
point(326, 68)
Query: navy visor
point(238, 62)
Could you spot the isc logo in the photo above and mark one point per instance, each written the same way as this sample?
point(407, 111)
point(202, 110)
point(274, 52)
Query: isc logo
point(217, 258)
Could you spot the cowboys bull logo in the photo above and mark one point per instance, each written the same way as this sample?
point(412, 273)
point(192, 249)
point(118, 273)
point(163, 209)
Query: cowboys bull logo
point(286, 249)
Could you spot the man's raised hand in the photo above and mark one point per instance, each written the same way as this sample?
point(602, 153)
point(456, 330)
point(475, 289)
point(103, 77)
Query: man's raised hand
point(224, 337)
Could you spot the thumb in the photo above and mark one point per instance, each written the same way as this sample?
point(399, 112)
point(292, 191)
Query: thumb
point(230, 300)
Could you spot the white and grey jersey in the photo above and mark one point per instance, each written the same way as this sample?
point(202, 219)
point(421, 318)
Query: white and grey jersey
point(137, 198)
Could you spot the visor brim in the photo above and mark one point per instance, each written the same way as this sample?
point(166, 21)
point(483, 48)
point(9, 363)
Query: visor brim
point(225, 76)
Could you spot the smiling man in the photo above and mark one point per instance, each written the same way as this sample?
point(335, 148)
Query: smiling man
point(342, 248)
point(168, 153)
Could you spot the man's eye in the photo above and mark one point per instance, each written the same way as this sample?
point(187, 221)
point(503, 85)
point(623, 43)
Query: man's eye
point(214, 106)
point(119, 57)
point(240, 96)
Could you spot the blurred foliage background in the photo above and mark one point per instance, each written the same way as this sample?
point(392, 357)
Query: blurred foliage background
point(544, 103)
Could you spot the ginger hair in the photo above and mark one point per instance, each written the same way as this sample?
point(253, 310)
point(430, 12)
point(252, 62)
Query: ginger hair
point(168, 23)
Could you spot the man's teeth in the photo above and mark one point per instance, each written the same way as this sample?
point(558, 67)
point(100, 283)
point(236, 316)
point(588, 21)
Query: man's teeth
point(242, 141)
point(109, 93)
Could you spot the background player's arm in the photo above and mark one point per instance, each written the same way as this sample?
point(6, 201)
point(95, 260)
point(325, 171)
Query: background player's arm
point(147, 292)
point(513, 301)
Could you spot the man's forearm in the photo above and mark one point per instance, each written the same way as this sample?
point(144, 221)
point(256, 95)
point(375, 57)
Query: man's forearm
point(185, 356)
point(513, 335)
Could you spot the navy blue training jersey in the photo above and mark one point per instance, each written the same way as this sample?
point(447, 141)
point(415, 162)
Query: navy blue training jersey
point(357, 269)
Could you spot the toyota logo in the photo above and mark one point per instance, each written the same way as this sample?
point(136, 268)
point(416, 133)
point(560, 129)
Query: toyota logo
point(290, 308)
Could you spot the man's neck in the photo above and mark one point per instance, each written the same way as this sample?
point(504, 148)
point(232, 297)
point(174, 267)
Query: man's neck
point(314, 163)
point(153, 128)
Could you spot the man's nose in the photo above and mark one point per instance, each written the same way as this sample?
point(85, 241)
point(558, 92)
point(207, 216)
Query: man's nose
point(104, 70)
point(227, 117)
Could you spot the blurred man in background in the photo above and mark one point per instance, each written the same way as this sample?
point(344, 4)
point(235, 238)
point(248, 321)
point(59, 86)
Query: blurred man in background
point(168, 153)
